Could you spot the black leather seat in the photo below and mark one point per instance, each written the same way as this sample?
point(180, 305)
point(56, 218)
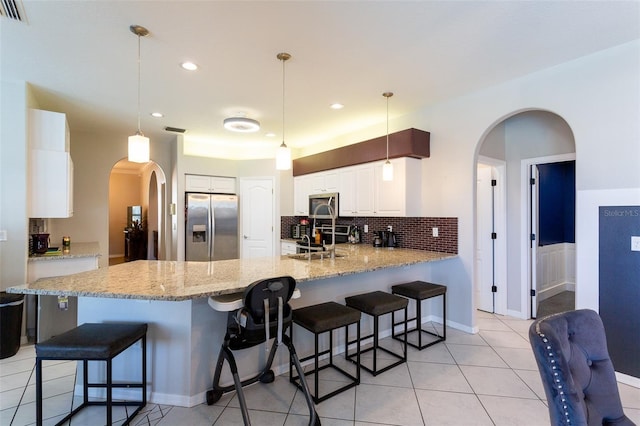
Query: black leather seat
point(419, 291)
point(577, 373)
point(94, 342)
point(319, 319)
point(376, 304)
point(265, 315)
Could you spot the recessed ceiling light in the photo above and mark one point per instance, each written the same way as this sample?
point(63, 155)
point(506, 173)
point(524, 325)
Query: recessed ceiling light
point(189, 66)
point(336, 106)
point(270, 135)
point(157, 114)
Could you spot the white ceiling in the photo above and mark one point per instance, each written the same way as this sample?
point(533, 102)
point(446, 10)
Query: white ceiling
point(80, 58)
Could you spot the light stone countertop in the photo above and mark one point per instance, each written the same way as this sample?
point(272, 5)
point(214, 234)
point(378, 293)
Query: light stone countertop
point(75, 250)
point(175, 281)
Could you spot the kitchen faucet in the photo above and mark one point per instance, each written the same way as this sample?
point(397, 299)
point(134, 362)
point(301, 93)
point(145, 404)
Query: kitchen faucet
point(332, 213)
point(308, 243)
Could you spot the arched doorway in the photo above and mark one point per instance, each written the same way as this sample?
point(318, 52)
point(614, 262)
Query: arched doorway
point(517, 141)
point(133, 186)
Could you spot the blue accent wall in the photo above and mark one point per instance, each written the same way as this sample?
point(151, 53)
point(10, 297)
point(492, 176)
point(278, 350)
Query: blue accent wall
point(619, 285)
point(557, 203)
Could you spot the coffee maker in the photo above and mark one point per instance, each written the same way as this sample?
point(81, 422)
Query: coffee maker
point(389, 239)
point(39, 243)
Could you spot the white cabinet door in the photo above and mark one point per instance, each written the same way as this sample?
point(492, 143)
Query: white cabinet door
point(356, 190)
point(364, 195)
point(347, 190)
point(323, 182)
point(212, 184)
point(196, 183)
point(50, 184)
point(287, 247)
point(401, 196)
point(48, 130)
point(301, 191)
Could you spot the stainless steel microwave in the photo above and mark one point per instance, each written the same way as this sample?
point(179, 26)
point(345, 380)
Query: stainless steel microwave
point(319, 205)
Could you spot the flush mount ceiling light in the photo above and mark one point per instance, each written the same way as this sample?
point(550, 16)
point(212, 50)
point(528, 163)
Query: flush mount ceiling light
point(387, 168)
point(189, 66)
point(336, 106)
point(283, 156)
point(241, 124)
point(138, 149)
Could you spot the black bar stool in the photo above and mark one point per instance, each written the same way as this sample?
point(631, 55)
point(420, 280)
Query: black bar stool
point(376, 304)
point(94, 342)
point(419, 291)
point(318, 319)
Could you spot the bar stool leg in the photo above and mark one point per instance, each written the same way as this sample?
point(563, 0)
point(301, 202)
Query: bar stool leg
point(109, 393)
point(38, 392)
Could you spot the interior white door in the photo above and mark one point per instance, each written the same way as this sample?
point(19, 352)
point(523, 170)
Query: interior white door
point(533, 237)
point(484, 275)
point(257, 213)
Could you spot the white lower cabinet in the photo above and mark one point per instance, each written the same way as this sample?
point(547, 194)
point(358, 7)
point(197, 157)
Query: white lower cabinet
point(51, 319)
point(287, 247)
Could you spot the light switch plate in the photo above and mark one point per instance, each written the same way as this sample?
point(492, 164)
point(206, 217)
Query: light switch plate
point(635, 243)
point(3, 235)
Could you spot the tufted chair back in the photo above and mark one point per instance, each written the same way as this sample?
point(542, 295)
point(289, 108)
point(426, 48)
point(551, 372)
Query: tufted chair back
point(578, 376)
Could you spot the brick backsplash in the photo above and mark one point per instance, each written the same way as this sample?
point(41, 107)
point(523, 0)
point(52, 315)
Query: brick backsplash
point(412, 232)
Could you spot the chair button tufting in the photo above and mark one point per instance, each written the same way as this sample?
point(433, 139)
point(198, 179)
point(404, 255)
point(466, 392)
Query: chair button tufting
point(589, 362)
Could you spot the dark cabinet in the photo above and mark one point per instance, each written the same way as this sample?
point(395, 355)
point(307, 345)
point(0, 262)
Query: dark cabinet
point(135, 244)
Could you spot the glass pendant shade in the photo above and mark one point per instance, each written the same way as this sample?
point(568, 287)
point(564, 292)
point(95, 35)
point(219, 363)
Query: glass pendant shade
point(138, 148)
point(387, 171)
point(283, 157)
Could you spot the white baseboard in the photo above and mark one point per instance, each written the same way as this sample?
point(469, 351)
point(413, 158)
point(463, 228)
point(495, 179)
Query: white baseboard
point(628, 380)
point(554, 290)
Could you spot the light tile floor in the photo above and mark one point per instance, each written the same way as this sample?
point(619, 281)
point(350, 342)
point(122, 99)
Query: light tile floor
point(489, 378)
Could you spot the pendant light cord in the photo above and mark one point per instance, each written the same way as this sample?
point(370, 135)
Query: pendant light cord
point(139, 132)
point(387, 128)
point(283, 81)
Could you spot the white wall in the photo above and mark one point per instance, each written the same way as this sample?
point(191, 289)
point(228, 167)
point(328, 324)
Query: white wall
point(15, 98)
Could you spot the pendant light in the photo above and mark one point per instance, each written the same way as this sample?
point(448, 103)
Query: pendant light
point(283, 156)
point(138, 144)
point(387, 168)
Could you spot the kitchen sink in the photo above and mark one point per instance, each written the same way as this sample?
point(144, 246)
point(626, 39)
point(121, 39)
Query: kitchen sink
point(313, 256)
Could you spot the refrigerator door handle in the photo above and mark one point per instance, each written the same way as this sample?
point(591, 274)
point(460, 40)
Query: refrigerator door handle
point(211, 224)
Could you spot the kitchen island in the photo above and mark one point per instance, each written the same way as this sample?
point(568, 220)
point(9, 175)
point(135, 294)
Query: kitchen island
point(185, 333)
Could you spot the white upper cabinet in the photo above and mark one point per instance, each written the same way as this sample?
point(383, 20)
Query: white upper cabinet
point(363, 192)
point(401, 196)
point(213, 184)
point(50, 165)
point(301, 191)
point(356, 190)
point(48, 130)
point(322, 182)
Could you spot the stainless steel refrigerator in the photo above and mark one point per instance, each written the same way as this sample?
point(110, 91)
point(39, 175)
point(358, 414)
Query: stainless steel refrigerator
point(211, 226)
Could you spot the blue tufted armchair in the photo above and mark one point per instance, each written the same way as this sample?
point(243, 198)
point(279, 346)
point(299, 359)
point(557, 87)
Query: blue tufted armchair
point(578, 376)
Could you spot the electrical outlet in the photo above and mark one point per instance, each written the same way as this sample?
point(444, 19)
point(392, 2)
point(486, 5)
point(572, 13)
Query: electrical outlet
point(3, 235)
point(635, 243)
point(389, 228)
point(366, 229)
point(434, 232)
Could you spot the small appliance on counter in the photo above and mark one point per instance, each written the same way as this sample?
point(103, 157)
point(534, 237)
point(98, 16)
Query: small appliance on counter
point(39, 243)
point(385, 239)
point(298, 230)
point(342, 233)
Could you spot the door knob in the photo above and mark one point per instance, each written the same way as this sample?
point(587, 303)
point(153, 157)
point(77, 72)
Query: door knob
point(245, 237)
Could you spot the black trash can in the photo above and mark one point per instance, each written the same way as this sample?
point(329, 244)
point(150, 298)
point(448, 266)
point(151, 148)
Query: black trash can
point(10, 323)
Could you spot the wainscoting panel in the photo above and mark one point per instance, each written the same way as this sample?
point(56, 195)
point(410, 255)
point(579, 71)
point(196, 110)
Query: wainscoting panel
point(556, 269)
